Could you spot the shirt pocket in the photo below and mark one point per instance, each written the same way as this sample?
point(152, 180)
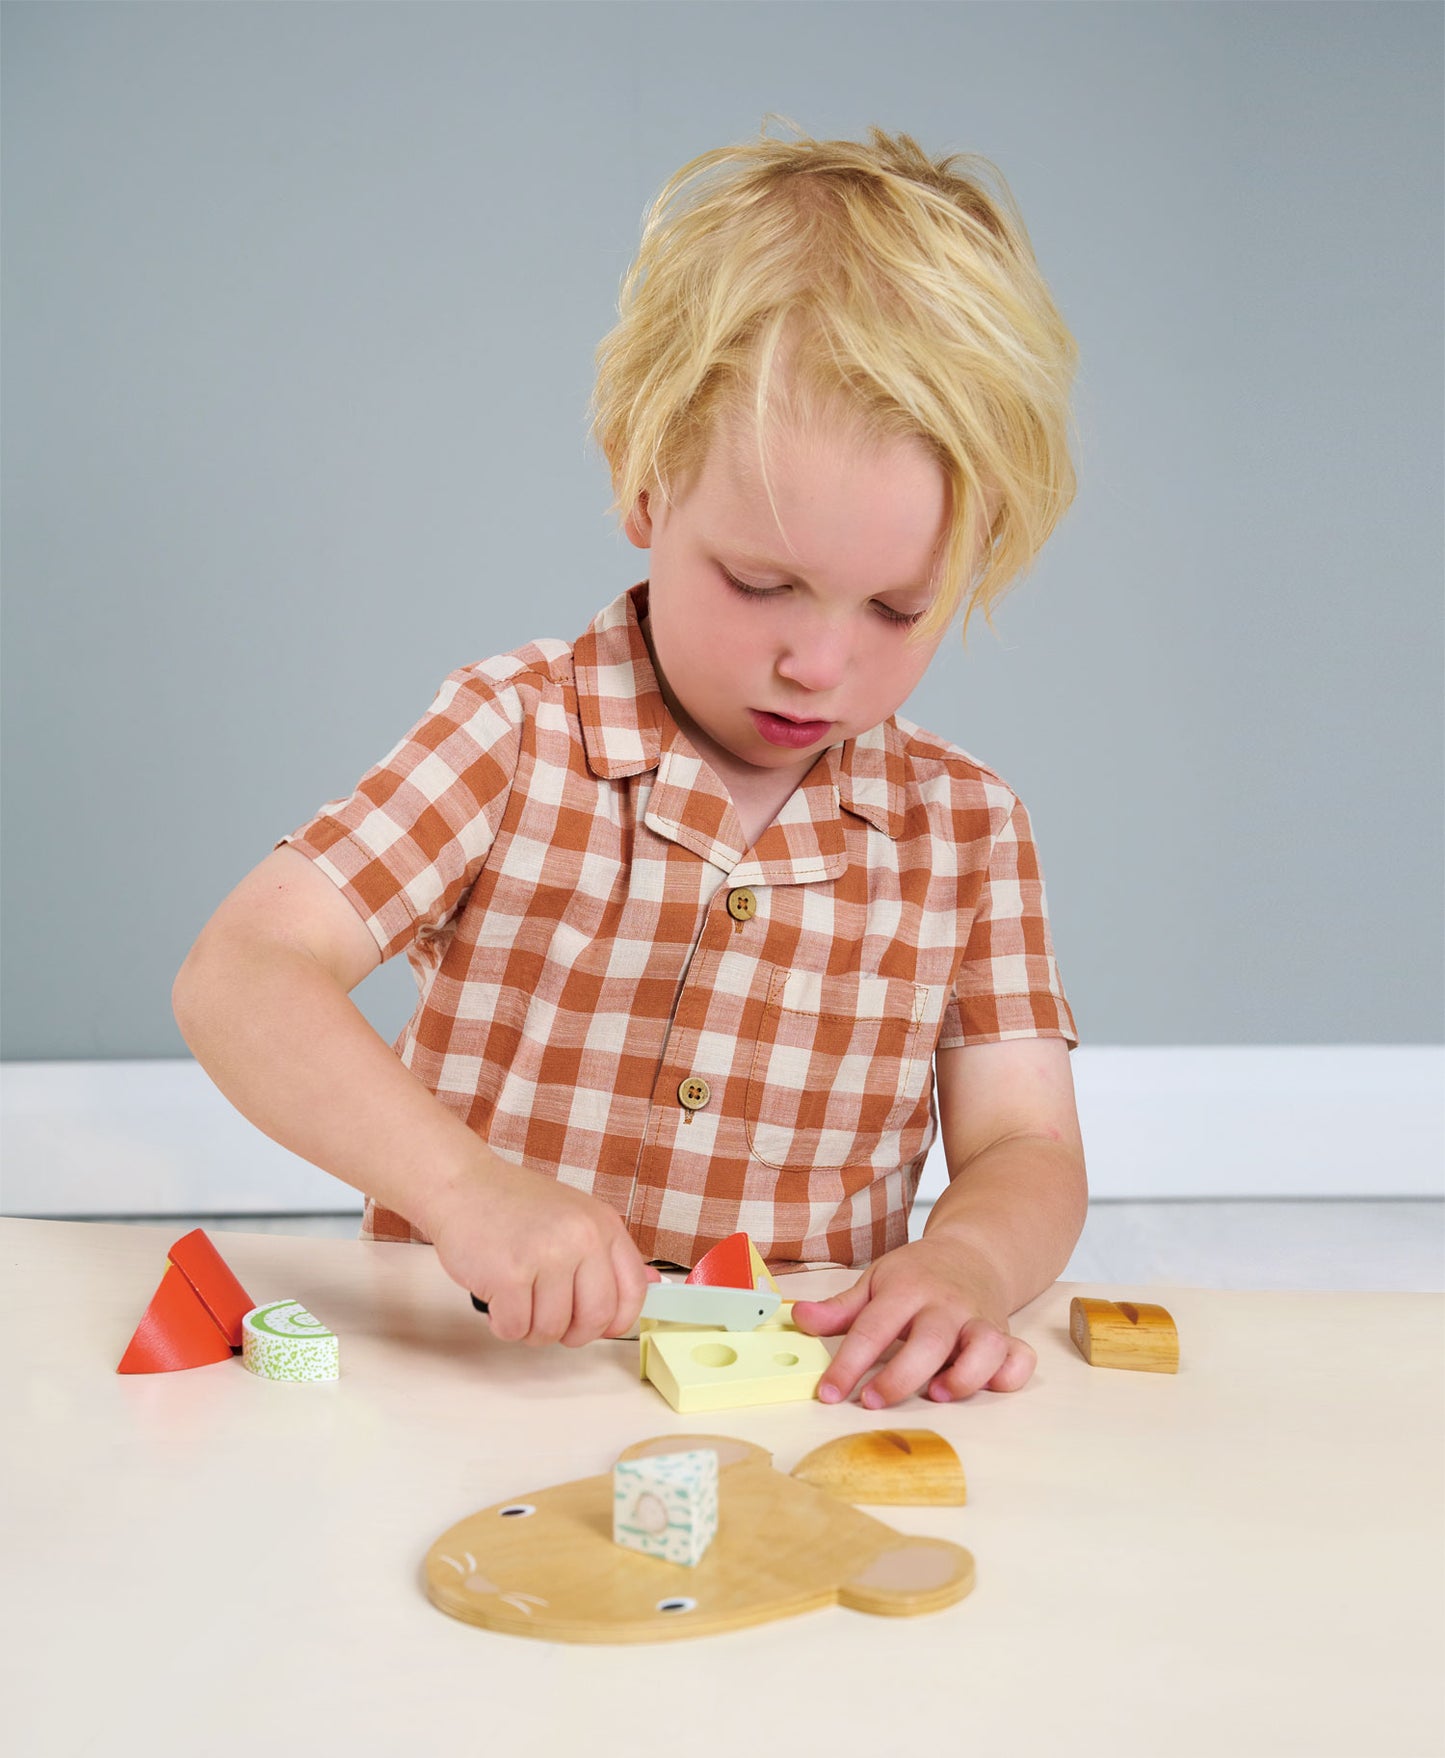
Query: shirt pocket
point(840, 1068)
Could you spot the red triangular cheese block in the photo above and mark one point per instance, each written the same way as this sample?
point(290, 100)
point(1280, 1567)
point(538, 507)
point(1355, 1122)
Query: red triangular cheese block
point(728, 1265)
point(213, 1279)
point(194, 1317)
point(176, 1331)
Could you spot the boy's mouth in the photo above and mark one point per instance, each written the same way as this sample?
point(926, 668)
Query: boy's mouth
point(793, 735)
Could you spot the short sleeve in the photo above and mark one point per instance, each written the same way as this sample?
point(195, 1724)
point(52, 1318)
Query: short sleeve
point(1008, 984)
point(406, 847)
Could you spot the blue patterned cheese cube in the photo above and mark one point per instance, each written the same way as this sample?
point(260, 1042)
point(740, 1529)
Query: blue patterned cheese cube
point(666, 1505)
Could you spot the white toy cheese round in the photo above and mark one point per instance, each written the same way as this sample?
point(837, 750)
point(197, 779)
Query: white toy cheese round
point(282, 1341)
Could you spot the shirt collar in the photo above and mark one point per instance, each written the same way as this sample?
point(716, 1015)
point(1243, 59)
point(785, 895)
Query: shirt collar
point(618, 700)
point(625, 722)
point(871, 770)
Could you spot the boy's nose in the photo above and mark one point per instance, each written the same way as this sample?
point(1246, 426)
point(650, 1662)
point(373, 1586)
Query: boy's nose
point(816, 661)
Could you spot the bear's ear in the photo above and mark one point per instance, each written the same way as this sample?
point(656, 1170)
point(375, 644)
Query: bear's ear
point(729, 1451)
point(914, 1575)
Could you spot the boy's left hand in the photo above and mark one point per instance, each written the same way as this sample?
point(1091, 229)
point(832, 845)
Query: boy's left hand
point(940, 1300)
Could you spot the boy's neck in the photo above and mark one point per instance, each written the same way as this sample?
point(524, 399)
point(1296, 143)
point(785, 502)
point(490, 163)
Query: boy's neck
point(756, 807)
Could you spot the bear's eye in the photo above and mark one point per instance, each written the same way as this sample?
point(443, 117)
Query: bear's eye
point(676, 1605)
point(517, 1511)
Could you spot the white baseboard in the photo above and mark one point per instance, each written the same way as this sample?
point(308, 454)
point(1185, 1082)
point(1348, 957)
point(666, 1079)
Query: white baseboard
point(1267, 1120)
point(156, 1138)
point(143, 1138)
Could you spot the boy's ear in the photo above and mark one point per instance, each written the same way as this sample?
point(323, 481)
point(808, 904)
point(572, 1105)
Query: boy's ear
point(638, 524)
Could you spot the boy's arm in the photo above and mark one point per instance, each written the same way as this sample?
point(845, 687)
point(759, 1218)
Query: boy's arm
point(263, 1002)
point(1000, 1234)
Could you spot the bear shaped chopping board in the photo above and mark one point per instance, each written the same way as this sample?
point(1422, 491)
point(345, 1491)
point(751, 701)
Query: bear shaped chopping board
point(545, 1564)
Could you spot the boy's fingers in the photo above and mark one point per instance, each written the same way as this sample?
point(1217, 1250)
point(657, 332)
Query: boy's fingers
point(631, 1277)
point(932, 1339)
point(594, 1300)
point(1018, 1367)
point(876, 1330)
point(826, 1318)
point(985, 1351)
point(510, 1311)
point(551, 1306)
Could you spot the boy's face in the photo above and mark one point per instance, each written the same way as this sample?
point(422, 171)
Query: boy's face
point(764, 680)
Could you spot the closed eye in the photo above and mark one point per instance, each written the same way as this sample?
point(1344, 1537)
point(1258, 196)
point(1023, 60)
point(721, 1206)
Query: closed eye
point(752, 591)
point(904, 619)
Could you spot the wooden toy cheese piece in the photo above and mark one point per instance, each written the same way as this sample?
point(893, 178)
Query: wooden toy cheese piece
point(734, 1262)
point(721, 1370)
point(1118, 1333)
point(762, 1277)
point(282, 1341)
point(728, 1265)
point(545, 1565)
point(175, 1331)
point(888, 1467)
point(196, 1257)
point(665, 1505)
point(194, 1316)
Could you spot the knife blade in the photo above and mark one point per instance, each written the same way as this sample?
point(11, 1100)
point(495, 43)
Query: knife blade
point(689, 1303)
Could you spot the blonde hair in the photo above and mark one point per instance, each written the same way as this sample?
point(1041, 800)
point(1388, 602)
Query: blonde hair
point(819, 280)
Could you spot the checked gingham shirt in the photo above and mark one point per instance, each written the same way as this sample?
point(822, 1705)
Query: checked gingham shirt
point(617, 992)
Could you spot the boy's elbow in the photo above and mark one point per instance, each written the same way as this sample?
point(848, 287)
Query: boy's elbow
point(183, 994)
point(1077, 1185)
point(1081, 1198)
point(193, 982)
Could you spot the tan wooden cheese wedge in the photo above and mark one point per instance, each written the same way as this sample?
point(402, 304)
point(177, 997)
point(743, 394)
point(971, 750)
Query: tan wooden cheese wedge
point(888, 1467)
point(1119, 1333)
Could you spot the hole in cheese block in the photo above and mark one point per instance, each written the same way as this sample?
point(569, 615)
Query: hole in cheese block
point(714, 1355)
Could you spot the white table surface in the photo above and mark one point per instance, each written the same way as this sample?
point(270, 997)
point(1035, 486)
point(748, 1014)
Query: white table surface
point(1245, 1559)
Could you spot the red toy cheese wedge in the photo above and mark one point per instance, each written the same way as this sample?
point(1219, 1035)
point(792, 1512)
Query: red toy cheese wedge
point(213, 1279)
point(193, 1316)
point(728, 1265)
point(176, 1331)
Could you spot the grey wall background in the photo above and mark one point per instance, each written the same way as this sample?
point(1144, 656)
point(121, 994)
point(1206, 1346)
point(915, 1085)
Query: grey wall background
point(299, 310)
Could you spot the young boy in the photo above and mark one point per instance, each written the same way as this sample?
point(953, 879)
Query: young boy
point(698, 923)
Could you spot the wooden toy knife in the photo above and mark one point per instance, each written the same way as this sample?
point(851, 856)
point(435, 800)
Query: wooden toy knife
point(690, 1303)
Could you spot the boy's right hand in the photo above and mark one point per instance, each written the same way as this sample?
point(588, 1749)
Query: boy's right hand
point(552, 1264)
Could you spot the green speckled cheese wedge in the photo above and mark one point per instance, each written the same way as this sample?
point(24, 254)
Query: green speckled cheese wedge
point(282, 1341)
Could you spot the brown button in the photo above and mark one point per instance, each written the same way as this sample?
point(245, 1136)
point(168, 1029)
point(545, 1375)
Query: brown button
point(694, 1092)
point(742, 904)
